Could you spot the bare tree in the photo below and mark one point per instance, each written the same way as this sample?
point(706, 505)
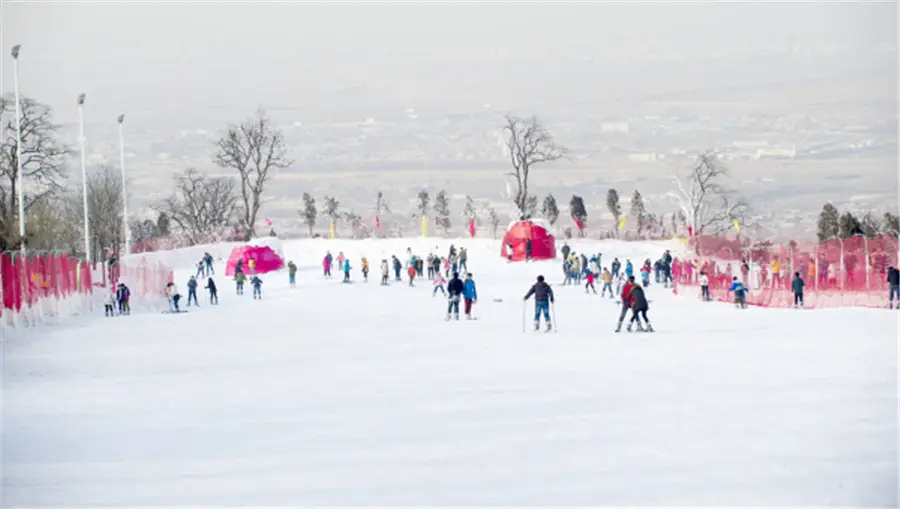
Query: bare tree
point(105, 204)
point(255, 149)
point(43, 162)
point(201, 205)
point(56, 224)
point(494, 218)
point(309, 212)
point(381, 205)
point(709, 205)
point(528, 144)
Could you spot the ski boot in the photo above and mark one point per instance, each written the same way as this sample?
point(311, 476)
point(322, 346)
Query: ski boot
point(549, 327)
point(640, 328)
point(649, 328)
point(619, 327)
point(456, 316)
point(537, 326)
point(629, 327)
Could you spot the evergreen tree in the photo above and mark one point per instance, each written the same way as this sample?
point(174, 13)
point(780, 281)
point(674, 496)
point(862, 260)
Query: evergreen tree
point(871, 226)
point(578, 211)
point(442, 209)
point(638, 211)
point(612, 203)
point(848, 226)
point(423, 203)
point(309, 212)
point(550, 210)
point(828, 225)
point(332, 210)
point(469, 211)
point(891, 226)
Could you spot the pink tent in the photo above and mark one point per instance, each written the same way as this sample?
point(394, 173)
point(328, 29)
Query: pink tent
point(265, 258)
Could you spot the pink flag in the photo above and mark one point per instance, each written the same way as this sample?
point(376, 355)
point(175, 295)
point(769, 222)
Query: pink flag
point(472, 227)
point(377, 223)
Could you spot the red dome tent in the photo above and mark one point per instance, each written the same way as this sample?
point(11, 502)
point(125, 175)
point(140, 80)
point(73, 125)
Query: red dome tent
point(265, 259)
point(543, 246)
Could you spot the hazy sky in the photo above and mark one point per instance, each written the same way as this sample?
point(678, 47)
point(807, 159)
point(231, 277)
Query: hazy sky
point(195, 57)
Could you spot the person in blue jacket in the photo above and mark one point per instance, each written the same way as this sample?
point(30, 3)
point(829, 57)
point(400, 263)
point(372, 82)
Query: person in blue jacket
point(470, 294)
point(740, 293)
point(192, 291)
point(629, 269)
point(347, 270)
point(256, 282)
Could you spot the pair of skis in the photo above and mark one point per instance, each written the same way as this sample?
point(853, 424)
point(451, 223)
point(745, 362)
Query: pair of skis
point(552, 318)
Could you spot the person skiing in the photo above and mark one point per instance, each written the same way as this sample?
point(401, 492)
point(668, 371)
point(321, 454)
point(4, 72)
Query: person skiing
point(893, 279)
point(626, 300)
point(463, 258)
point(543, 296)
point(123, 299)
point(740, 293)
point(174, 297)
point(639, 309)
point(704, 286)
point(252, 264)
point(411, 272)
point(326, 265)
point(256, 282)
point(616, 267)
point(109, 303)
point(292, 273)
point(346, 270)
point(208, 259)
point(213, 293)
point(397, 267)
point(565, 250)
point(590, 283)
point(797, 285)
point(645, 274)
point(420, 267)
point(201, 268)
point(455, 289)
point(430, 264)
point(340, 260)
point(192, 291)
point(509, 252)
point(454, 263)
point(365, 269)
point(607, 279)
point(629, 268)
point(239, 279)
point(385, 271)
point(470, 294)
point(438, 284)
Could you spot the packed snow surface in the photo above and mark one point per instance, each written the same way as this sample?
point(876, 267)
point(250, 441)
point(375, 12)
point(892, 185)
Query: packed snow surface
point(361, 394)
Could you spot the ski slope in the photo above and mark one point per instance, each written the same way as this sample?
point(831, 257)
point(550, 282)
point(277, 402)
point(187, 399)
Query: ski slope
point(334, 394)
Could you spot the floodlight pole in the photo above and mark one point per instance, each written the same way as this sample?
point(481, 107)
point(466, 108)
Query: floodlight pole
point(121, 119)
point(87, 233)
point(20, 191)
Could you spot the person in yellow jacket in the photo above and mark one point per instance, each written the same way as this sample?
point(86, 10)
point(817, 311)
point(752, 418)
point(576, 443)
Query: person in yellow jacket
point(252, 265)
point(607, 279)
point(365, 269)
point(776, 273)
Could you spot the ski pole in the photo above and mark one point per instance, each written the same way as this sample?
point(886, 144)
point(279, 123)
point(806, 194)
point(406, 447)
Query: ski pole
point(553, 314)
point(524, 305)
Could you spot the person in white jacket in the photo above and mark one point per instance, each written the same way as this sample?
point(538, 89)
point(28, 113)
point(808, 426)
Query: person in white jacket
point(704, 286)
point(174, 296)
point(109, 304)
point(385, 270)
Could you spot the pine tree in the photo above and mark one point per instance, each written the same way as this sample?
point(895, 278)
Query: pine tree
point(309, 212)
point(423, 203)
point(442, 209)
point(891, 226)
point(332, 210)
point(638, 211)
point(612, 203)
point(578, 211)
point(381, 205)
point(550, 210)
point(848, 226)
point(828, 225)
point(871, 226)
point(469, 211)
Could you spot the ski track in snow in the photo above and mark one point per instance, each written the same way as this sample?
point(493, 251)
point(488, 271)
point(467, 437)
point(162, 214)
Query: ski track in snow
point(360, 394)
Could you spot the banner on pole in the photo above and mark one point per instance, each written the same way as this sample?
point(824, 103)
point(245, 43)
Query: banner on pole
point(472, 227)
point(424, 226)
point(622, 222)
point(331, 230)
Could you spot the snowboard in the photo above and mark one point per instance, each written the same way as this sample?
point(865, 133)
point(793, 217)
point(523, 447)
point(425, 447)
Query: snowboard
point(170, 312)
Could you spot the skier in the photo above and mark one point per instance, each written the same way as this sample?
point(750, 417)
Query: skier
point(639, 309)
point(292, 274)
point(411, 272)
point(645, 274)
point(239, 279)
point(893, 279)
point(590, 283)
point(346, 270)
point(208, 259)
point(455, 289)
point(397, 267)
point(627, 300)
point(509, 252)
point(201, 268)
point(340, 260)
point(797, 288)
point(616, 267)
point(174, 297)
point(239, 266)
point(192, 291)
point(109, 303)
point(740, 293)
point(565, 250)
point(607, 278)
point(439, 284)
point(123, 298)
point(213, 293)
point(256, 282)
point(326, 265)
point(430, 263)
point(629, 268)
point(365, 269)
point(704, 286)
point(470, 294)
point(420, 267)
point(385, 271)
point(252, 264)
point(543, 297)
point(463, 257)
point(454, 263)
point(446, 263)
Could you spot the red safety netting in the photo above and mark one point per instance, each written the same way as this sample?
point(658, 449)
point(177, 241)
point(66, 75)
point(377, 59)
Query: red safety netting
point(839, 272)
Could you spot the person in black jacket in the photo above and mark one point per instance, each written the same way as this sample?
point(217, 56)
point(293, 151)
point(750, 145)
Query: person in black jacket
point(213, 293)
point(639, 309)
point(543, 296)
point(893, 278)
point(455, 290)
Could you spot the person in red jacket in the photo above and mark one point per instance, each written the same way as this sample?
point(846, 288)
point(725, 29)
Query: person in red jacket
point(627, 300)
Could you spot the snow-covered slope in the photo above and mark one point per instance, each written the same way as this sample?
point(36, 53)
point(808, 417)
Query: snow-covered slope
point(363, 395)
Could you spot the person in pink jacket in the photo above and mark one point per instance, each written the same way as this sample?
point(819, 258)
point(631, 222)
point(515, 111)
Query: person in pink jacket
point(438, 284)
point(326, 265)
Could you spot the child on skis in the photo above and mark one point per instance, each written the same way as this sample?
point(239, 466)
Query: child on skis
point(438, 284)
point(292, 274)
point(385, 271)
point(411, 272)
point(645, 274)
point(326, 265)
point(470, 294)
point(256, 282)
point(347, 270)
point(239, 279)
point(174, 297)
point(590, 283)
point(213, 293)
point(797, 285)
point(740, 291)
point(704, 286)
point(365, 269)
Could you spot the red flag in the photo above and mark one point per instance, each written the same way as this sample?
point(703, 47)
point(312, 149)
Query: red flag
point(578, 223)
point(690, 232)
point(377, 223)
point(472, 227)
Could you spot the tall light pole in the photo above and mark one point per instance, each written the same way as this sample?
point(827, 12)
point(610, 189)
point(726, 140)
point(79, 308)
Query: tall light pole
point(87, 233)
point(121, 119)
point(20, 192)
